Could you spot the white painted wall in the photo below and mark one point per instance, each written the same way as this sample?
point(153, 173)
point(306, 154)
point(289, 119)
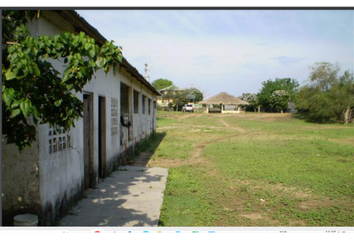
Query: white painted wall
point(59, 179)
point(61, 173)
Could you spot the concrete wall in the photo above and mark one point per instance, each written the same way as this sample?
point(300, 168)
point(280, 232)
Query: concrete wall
point(57, 182)
point(31, 180)
point(144, 123)
point(20, 181)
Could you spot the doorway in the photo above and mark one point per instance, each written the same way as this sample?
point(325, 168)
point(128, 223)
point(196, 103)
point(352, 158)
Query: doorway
point(102, 137)
point(125, 115)
point(88, 141)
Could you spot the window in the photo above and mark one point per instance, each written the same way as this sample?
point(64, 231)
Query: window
point(136, 102)
point(58, 140)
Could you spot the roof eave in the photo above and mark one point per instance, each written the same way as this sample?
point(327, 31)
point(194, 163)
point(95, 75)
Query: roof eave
point(81, 24)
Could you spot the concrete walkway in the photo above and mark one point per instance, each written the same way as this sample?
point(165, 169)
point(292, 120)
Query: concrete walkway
point(131, 196)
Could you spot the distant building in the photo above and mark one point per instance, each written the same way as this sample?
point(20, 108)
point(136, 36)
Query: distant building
point(224, 103)
point(173, 89)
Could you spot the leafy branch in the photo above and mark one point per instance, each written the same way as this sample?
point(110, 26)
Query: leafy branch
point(33, 90)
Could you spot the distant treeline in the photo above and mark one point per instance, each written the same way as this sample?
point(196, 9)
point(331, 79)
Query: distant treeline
point(326, 97)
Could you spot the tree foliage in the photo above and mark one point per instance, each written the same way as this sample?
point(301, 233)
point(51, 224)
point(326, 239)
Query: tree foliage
point(193, 92)
point(327, 97)
point(269, 86)
point(180, 98)
point(279, 100)
point(161, 83)
point(252, 99)
point(33, 91)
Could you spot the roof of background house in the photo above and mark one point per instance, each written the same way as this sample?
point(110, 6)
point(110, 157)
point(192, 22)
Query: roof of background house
point(224, 98)
point(81, 24)
point(172, 88)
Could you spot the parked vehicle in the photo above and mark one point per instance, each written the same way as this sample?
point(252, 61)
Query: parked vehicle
point(188, 108)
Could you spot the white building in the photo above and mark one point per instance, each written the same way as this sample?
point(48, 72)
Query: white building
point(49, 178)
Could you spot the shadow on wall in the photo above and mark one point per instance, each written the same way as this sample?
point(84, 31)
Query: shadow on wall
point(131, 196)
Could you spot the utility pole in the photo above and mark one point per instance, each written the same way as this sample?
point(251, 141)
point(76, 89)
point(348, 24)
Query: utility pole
point(146, 72)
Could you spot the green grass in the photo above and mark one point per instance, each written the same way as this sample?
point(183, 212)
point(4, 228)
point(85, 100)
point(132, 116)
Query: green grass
point(183, 202)
point(161, 122)
point(305, 163)
point(263, 170)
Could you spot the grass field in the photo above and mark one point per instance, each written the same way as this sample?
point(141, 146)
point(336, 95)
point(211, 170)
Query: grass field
point(254, 170)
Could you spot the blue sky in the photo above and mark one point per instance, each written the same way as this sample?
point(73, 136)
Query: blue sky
point(228, 50)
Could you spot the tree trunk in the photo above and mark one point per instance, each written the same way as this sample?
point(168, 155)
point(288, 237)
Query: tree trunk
point(281, 111)
point(259, 109)
point(347, 115)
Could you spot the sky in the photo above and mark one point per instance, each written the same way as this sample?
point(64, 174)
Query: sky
point(231, 51)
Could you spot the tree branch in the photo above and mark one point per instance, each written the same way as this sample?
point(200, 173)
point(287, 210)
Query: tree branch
point(12, 43)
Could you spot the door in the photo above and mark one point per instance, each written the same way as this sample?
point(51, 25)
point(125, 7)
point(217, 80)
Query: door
point(102, 137)
point(153, 116)
point(88, 141)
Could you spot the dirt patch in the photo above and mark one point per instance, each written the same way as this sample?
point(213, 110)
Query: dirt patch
point(325, 127)
point(200, 130)
point(293, 191)
point(144, 157)
point(349, 141)
point(167, 163)
point(169, 127)
point(197, 152)
point(224, 123)
point(323, 203)
point(269, 117)
point(186, 115)
point(231, 127)
point(276, 119)
point(313, 204)
point(252, 216)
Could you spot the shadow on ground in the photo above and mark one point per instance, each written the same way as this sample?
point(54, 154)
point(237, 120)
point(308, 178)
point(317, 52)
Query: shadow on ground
point(148, 148)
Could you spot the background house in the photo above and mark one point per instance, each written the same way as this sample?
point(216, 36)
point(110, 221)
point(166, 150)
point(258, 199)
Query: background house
point(165, 98)
point(49, 178)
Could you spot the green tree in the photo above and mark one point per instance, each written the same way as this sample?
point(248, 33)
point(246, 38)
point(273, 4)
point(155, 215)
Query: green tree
point(252, 99)
point(180, 98)
point(33, 91)
point(327, 97)
point(279, 100)
point(269, 86)
point(345, 92)
point(161, 83)
point(193, 92)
